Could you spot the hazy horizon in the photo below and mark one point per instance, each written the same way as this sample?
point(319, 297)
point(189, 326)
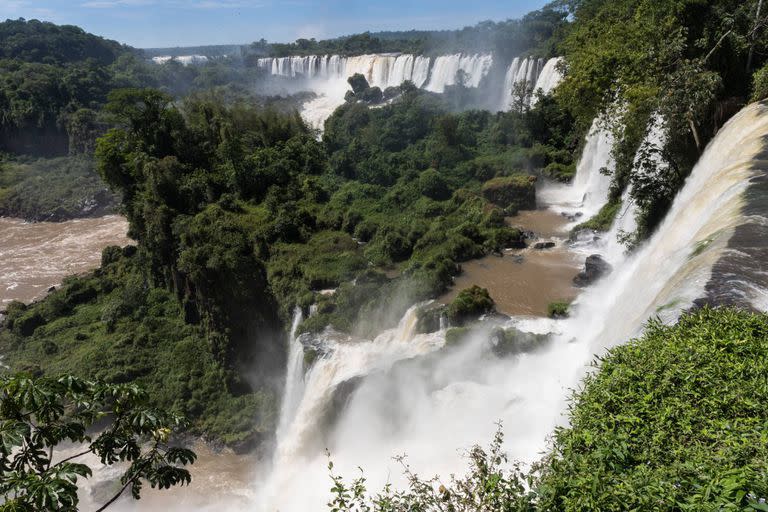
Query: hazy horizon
point(180, 23)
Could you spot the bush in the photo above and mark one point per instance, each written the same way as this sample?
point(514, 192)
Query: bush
point(512, 193)
point(560, 172)
point(433, 185)
point(558, 309)
point(760, 84)
point(469, 305)
point(675, 420)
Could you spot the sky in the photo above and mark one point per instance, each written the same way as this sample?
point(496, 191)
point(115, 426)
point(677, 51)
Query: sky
point(167, 23)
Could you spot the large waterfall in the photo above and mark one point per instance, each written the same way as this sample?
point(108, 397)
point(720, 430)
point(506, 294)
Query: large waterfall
point(385, 70)
point(410, 397)
point(327, 76)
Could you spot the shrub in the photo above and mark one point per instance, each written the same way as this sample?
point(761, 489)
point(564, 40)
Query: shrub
point(674, 420)
point(433, 185)
point(512, 193)
point(558, 309)
point(470, 304)
point(760, 84)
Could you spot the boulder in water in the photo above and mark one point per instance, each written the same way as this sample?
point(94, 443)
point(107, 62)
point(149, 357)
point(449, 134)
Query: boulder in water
point(540, 246)
point(595, 267)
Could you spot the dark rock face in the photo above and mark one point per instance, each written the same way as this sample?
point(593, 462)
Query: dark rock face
point(594, 268)
point(540, 246)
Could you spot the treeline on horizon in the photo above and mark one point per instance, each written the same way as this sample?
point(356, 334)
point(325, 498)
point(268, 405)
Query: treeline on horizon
point(535, 34)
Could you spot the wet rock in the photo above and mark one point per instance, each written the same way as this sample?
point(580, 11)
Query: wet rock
point(595, 267)
point(540, 246)
point(510, 341)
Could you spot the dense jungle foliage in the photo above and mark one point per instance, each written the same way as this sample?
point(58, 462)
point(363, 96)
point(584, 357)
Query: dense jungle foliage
point(54, 83)
point(689, 61)
point(533, 34)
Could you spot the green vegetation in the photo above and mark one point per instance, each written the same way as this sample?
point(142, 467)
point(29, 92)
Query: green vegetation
point(53, 189)
point(511, 193)
point(674, 420)
point(620, 54)
point(760, 84)
point(532, 34)
point(470, 304)
point(114, 327)
point(241, 215)
point(38, 415)
point(559, 309)
point(603, 220)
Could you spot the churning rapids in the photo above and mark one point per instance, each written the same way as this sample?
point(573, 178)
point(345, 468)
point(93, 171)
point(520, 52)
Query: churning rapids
point(36, 256)
point(400, 393)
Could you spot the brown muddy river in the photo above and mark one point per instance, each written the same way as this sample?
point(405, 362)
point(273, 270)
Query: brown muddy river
point(36, 256)
point(525, 282)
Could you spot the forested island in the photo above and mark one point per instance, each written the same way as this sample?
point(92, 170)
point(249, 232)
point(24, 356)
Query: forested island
point(246, 219)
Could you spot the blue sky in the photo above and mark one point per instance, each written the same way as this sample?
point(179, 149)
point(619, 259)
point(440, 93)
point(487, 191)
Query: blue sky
point(158, 23)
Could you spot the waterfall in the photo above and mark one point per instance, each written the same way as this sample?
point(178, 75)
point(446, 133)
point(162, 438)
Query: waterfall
point(588, 192)
point(625, 223)
point(446, 68)
point(294, 376)
point(427, 407)
point(421, 67)
point(549, 78)
point(344, 359)
point(536, 74)
point(327, 75)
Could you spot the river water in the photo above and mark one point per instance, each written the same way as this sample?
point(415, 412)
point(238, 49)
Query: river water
point(36, 256)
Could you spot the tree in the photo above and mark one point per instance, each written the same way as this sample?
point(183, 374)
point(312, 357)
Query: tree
point(38, 414)
point(521, 96)
point(359, 83)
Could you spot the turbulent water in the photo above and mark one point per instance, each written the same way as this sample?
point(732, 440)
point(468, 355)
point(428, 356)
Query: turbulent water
point(427, 406)
point(327, 75)
point(36, 256)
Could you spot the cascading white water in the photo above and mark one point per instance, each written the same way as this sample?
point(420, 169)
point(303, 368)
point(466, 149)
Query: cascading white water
point(294, 376)
point(427, 407)
point(549, 78)
point(344, 359)
point(625, 223)
point(327, 75)
point(534, 74)
point(588, 192)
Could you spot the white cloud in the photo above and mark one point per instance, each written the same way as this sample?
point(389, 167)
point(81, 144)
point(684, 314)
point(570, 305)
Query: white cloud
point(22, 8)
point(108, 4)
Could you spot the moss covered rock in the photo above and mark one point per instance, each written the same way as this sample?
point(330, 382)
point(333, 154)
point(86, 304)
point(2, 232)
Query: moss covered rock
point(469, 305)
point(512, 193)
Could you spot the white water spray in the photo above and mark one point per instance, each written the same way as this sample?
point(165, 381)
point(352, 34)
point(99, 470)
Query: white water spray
point(294, 376)
point(427, 407)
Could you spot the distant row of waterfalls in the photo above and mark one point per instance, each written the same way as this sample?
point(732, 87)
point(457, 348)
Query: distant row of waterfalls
point(433, 74)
